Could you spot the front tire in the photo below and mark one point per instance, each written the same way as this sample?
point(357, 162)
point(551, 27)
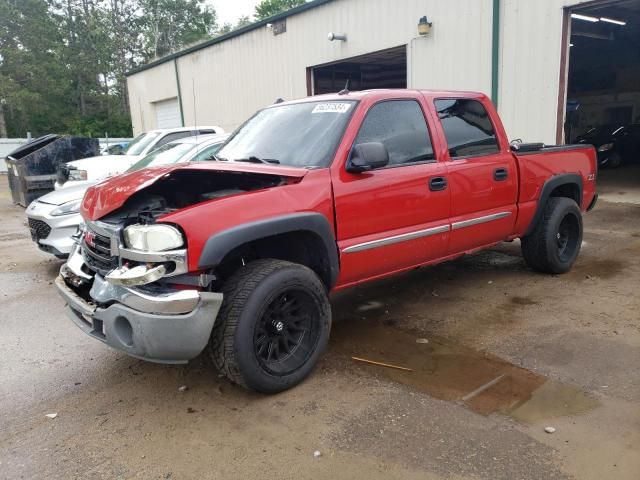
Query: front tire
point(554, 244)
point(272, 327)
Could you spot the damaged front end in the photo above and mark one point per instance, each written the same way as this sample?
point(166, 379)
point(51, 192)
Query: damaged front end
point(126, 298)
point(127, 281)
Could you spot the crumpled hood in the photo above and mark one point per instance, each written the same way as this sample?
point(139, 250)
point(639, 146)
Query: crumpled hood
point(58, 197)
point(111, 194)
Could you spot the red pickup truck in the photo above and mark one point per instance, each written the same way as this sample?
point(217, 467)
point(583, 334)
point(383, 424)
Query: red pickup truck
point(308, 197)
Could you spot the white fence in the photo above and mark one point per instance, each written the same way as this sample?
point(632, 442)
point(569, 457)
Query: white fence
point(7, 145)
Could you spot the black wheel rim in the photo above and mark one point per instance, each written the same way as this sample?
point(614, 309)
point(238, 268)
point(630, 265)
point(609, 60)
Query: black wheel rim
point(287, 332)
point(567, 237)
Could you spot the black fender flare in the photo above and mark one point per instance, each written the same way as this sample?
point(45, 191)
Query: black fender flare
point(221, 243)
point(548, 187)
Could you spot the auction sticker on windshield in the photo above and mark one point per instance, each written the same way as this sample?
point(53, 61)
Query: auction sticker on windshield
point(333, 107)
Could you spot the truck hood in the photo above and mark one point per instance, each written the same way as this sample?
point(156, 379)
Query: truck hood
point(104, 166)
point(58, 197)
point(111, 194)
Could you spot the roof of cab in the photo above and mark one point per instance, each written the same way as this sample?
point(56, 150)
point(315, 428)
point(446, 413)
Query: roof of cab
point(384, 92)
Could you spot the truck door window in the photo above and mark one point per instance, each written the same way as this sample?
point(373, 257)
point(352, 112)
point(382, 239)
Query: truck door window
point(468, 128)
point(401, 127)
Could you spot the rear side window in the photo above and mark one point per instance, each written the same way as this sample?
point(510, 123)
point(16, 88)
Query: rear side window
point(401, 127)
point(170, 137)
point(468, 128)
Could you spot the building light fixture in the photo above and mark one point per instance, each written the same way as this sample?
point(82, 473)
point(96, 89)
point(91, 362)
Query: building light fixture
point(571, 44)
point(586, 18)
point(424, 26)
point(611, 20)
point(337, 36)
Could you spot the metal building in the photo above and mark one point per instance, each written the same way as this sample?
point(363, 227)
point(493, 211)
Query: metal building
point(519, 52)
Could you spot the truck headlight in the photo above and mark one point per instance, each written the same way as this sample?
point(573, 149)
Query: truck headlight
point(152, 238)
point(605, 147)
point(75, 174)
point(67, 208)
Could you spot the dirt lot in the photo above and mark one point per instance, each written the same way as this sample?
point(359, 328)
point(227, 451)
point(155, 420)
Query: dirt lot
point(558, 351)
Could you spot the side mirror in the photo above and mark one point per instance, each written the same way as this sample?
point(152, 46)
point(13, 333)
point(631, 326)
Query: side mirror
point(367, 156)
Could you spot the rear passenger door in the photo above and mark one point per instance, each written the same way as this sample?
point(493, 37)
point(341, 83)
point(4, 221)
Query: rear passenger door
point(389, 219)
point(482, 175)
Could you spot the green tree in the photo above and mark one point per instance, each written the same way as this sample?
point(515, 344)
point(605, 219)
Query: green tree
point(169, 25)
point(63, 62)
point(227, 27)
point(35, 85)
point(267, 8)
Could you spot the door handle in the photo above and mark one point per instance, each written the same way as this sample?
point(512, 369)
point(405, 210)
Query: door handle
point(437, 183)
point(500, 174)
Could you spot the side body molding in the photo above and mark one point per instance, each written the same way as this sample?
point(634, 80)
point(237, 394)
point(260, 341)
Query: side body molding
point(220, 244)
point(549, 186)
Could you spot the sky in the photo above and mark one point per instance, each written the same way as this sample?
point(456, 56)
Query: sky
point(230, 10)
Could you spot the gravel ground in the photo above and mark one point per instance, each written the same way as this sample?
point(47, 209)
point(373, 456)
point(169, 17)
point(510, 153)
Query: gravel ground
point(561, 351)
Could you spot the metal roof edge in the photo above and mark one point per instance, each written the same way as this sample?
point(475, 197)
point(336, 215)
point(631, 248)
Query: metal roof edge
point(227, 36)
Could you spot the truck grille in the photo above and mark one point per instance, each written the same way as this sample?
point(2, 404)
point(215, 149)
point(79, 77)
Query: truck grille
point(96, 250)
point(39, 229)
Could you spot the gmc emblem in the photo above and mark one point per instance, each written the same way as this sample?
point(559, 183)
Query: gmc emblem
point(90, 239)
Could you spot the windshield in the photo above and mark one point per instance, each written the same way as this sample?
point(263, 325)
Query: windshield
point(300, 135)
point(141, 142)
point(165, 155)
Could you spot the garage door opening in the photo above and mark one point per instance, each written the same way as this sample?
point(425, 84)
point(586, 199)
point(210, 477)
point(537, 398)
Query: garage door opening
point(168, 113)
point(382, 69)
point(603, 89)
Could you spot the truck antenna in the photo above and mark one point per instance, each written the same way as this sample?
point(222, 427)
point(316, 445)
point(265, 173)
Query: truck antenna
point(345, 90)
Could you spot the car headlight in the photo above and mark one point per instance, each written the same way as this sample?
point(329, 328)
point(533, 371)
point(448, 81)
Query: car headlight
point(67, 208)
point(153, 238)
point(605, 147)
point(77, 174)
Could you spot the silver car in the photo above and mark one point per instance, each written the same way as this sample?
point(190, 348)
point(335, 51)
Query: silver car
point(54, 217)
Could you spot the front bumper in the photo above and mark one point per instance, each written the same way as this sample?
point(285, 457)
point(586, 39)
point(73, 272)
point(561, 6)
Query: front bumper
point(58, 241)
point(166, 327)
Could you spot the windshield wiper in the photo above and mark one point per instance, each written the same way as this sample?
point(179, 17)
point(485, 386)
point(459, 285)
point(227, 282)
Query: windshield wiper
point(220, 159)
point(254, 159)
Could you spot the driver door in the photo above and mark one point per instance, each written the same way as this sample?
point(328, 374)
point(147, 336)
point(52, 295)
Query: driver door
point(395, 217)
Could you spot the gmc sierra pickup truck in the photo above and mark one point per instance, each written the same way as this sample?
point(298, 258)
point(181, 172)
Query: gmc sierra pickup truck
point(308, 197)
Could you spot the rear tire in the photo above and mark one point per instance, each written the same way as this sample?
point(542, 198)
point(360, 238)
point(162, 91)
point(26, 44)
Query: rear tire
point(273, 325)
point(554, 244)
point(615, 160)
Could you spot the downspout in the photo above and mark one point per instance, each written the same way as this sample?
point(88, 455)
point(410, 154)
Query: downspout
point(495, 53)
point(175, 66)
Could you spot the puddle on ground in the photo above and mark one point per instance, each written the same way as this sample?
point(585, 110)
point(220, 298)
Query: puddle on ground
point(481, 381)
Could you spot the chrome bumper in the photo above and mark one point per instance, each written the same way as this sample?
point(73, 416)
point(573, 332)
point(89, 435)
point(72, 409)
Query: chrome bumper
point(163, 327)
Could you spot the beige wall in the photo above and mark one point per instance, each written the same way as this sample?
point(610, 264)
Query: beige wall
point(153, 85)
point(225, 83)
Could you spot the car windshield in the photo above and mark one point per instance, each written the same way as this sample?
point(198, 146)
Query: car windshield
point(141, 142)
point(299, 135)
point(165, 155)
